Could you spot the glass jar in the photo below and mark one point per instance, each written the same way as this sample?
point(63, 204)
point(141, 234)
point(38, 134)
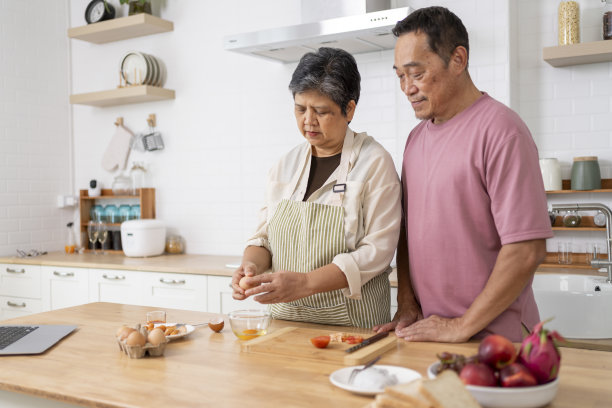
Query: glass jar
point(569, 23)
point(111, 214)
point(571, 219)
point(174, 244)
point(96, 213)
point(135, 212)
point(124, 212)
point(138, 175)
point(122, 185)
point(607, 20)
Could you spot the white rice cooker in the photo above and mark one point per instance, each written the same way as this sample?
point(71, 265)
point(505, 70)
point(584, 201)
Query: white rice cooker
point(143, 237)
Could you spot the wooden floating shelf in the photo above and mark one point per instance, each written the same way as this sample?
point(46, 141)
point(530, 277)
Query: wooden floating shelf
point(606, 187)
point(123, 96)
point(123, 28)
point(577, 54)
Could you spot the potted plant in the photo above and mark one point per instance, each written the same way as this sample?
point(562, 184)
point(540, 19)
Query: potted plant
point(137, 6)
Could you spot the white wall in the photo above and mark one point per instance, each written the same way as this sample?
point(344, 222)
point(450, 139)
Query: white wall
point(35, 140)
point(569, 109)
point(232, 117)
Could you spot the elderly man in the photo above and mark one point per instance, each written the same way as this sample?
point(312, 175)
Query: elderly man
point(475, 212)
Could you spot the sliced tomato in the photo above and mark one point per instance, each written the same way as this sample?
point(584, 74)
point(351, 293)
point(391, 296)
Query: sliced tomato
point(320, 341)
point(353, 339)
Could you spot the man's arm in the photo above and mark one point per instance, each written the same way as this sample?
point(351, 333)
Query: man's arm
point(515, 266)
point(408, 310)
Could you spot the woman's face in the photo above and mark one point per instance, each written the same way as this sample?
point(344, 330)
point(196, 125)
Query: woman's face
point(321, 122)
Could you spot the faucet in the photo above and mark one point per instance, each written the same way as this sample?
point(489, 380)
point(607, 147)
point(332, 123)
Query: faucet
point(598, 263)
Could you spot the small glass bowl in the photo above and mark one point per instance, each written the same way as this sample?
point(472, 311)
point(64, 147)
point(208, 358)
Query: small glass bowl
point(249, 324)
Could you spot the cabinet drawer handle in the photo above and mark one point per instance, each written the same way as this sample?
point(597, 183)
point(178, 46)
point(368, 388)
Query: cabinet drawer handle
point(9, 270)
point(13, 304)
point(114, 277)
point(172, 281)
point(63, 274)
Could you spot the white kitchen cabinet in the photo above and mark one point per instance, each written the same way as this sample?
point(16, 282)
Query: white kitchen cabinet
point(393, 301)
point(220, 297)
point(116, 286)
point(11, 307)
point(175, 290)
point(20, 290)
point(64, 287)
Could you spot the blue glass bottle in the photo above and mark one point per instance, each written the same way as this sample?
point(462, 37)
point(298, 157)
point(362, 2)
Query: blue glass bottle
point(124, 212)
point(135, 212)
point(111, 214)
point(96, 213)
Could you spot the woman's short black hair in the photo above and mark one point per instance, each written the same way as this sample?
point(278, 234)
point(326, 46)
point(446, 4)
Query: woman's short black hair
point(443, 28)
point(330, 71)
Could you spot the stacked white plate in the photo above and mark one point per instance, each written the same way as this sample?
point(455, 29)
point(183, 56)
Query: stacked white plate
point(138, 68)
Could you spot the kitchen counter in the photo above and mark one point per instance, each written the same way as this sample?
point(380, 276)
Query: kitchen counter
point(182, 263)
point(208, 369)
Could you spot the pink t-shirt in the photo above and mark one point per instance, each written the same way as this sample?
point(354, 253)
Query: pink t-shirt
point(471, 185)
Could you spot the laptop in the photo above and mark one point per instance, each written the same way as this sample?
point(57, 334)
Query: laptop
point(31, 339)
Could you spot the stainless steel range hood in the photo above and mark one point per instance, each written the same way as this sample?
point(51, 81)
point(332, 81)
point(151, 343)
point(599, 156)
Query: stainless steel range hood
point(356, 34)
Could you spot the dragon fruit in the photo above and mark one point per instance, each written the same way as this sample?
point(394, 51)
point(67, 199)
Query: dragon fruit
point(540, 354)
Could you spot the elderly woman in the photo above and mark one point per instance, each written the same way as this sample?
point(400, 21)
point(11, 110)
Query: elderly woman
point(331, 220)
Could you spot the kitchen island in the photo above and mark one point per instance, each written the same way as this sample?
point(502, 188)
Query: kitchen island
point(208, 369)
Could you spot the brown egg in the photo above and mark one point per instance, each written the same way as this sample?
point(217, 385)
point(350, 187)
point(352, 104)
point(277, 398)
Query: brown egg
point(216, 324)
point(244, 285)
point(136, 339)
point(156, 337)
point(124, 332)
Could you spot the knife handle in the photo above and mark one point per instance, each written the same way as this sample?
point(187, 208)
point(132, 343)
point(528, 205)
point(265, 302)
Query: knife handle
point(368, 341)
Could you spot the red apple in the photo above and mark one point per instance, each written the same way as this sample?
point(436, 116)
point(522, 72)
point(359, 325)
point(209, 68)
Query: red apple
point(496, 351)
point(478, 374)
point(516, 375)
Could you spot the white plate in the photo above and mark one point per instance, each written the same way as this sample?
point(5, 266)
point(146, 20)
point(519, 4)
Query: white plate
point(134, 62)
point(500, 397)
point(189, 328)
point(340, 378)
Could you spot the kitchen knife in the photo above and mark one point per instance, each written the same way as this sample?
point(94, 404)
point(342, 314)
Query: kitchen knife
point(368, 341)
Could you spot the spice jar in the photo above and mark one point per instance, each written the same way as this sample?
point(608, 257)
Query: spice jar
point(607, 20)
point(138, 175)
point(174, 244)
point(569, 23)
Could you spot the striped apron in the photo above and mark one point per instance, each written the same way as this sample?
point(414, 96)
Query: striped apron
point(304, 236)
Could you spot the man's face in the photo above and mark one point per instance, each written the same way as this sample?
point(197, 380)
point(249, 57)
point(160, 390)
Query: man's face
point(424, 77)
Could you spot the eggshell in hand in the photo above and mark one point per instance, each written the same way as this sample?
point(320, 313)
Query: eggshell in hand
point(244, 284)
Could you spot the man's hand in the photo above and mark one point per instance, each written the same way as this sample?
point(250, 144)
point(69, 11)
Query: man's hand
point(246, 269)
point(435, 328)
point(277, 287)
point(402, 318)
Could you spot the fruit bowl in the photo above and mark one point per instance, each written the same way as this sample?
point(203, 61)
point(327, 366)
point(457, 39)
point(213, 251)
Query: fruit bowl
point(249, 324)
point(502, 397)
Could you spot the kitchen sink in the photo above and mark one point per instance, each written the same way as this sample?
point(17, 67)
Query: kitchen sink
point(580, 305)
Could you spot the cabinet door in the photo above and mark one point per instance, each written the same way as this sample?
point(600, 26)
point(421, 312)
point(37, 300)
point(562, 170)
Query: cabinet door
point(175, 291)
point(115, 286)
point(393, 301)
point(11, 307)
point(20, 281)
point(64, 287)
point(220, 298)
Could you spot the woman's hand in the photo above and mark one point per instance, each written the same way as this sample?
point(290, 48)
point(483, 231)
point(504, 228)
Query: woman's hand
point(280, 286)
point(248, 269)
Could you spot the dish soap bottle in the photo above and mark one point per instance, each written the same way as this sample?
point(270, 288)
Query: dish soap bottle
point(70, 241)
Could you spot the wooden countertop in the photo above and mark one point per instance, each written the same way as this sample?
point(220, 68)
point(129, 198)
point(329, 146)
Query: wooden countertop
point(183, 263)
point(208, 369)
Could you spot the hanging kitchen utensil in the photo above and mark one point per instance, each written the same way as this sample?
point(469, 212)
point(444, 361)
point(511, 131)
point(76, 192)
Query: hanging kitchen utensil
point(152, 140)
point(118, 149)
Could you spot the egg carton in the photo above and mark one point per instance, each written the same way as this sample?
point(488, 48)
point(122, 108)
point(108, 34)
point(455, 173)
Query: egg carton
point(141, 351)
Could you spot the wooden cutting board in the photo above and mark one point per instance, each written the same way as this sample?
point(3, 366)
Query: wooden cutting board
point(295, 342)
